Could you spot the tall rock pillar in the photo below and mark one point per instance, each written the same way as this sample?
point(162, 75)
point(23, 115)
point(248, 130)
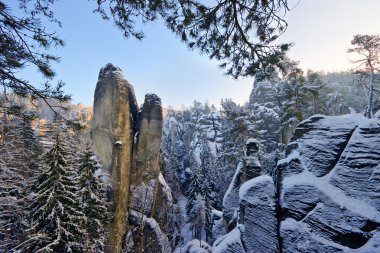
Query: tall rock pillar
point(115, 110)
point(150, 197)
point(128, 143)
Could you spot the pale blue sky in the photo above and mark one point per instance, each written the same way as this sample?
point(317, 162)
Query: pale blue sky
point(321, 30)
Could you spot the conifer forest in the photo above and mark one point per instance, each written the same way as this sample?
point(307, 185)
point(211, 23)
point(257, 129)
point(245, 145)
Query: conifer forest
point(295, 168)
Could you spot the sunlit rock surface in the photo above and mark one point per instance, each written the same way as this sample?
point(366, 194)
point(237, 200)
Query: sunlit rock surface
point(145, 169)
point(115, 109)
point(128, 144)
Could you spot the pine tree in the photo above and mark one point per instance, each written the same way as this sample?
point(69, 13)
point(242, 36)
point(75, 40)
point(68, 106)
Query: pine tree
point(238, 126)
point(368, 49)
point(57, 222)
point(239, 34)
point(93, 200)
point(295, 97)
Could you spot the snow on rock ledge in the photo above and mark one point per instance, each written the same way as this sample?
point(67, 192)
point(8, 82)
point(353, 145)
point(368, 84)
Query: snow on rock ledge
point(230, 243)
point(249, 168)
point(258, 214)
point(329, 194)
point(196, 246)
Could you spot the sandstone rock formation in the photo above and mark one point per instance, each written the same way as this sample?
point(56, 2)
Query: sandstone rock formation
point(249, 209)
point(258, 215)
point(246, 170)
point(145, 168)
point(329, 186)
point(115, 110)
point(148, 237)
point(258, 226)
point(327, 196)
point(128, 143)
point(231, 242)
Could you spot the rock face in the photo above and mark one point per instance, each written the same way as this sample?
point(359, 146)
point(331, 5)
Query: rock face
point(145, 169)
point(257, 230)
point(250, 209)
point(258, 214)
point(231, 242)
point(128, 144)
point(147, 141)
point(329, 194)
point(148, 233)
point(115, 109)
point(246, 170)
point(217, 225)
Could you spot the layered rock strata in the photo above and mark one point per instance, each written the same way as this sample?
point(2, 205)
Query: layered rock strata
point(115, 110)
point(325, 197)
point(247, 169)
point(329, 186)
point(128, 143)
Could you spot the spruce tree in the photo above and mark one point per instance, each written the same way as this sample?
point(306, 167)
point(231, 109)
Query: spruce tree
point(93, 200)
point(193, 191)
point(208, 192)
point(57, 222)
point(197, 216)
point(14, 157)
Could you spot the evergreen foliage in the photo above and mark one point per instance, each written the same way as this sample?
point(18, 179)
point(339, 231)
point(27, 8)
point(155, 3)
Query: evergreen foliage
point(368, 49)
point(201, 194)
point(238, 33)
point(238, 126)
point(56, 219)
point(24, 41)
point(198, 216)
point(195, 189)
point(13, 181)
point(93, 200)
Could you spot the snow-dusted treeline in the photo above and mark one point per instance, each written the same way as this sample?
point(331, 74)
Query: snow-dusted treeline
point(52, 198)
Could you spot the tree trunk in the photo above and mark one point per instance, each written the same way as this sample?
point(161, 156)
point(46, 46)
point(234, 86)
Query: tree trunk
point(369, 112)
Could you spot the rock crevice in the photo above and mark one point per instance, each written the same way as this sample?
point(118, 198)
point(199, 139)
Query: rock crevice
point(128, 143)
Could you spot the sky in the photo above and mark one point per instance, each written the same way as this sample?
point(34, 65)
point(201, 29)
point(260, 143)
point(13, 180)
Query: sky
point(321, 31)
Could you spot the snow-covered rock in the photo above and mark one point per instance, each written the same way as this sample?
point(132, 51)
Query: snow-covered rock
point(217, 224)
point(328, 186)
point(231, 242)
point(258, 214)
point(196, 246)
point(246, 170)
point(257, 230)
